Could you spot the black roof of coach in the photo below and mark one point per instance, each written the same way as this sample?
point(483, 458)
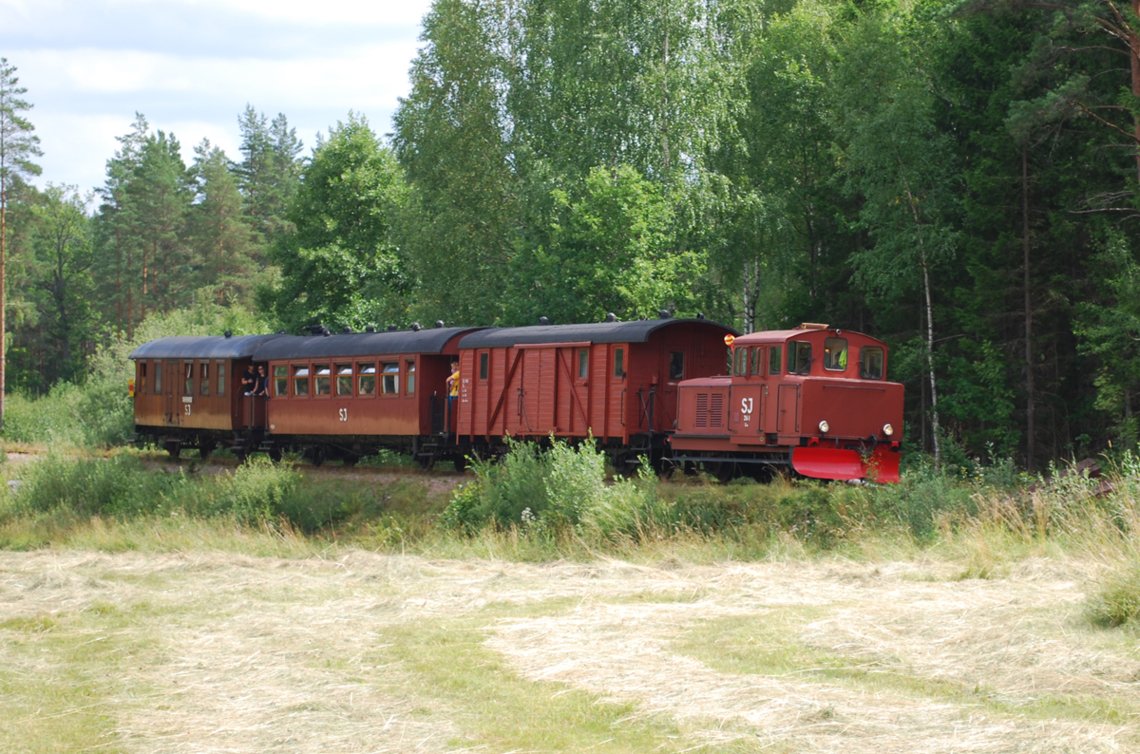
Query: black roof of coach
point(203, 347)
point(635, 331)
point(431, 340)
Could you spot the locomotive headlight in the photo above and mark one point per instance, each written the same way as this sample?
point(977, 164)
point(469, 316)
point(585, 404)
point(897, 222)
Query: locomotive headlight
point(888, 430)
point(823, 426)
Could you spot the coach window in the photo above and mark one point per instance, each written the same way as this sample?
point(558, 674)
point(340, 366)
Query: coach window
point(410, 371)
point(301, 380)
point(322, 384)
point(158, 378)
point(344, 379)
point(799, 357)
point(677, 365)
point(204, 375)
point(220, 372)
point(140, 389)
point(774, 354)
point(366, 379)
point(871, 363)
point(619, 362)
point(188, 378)
point(583, 363)
point(390, 378)
point(835, 354)
point(484, 365)
point(281, 380)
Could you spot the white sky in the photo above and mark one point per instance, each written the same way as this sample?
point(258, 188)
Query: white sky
point(191, 67)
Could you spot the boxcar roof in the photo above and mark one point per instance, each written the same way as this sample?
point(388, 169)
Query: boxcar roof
point(432, 340)
point(636, 331)
point(202, 347)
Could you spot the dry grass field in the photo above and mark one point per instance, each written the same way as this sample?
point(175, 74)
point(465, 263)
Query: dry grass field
point(359, 652)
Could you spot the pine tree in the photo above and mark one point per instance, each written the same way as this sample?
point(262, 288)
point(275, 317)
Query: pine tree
point(18, 147)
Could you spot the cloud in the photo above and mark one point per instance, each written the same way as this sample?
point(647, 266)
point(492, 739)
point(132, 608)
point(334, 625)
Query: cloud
point(192, 66)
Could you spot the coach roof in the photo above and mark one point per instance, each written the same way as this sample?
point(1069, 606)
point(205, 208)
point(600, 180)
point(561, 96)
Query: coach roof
point(203, 347)
point(432, 340)
point(636, 331)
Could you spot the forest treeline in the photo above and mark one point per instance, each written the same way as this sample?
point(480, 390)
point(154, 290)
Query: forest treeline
point(958, 177)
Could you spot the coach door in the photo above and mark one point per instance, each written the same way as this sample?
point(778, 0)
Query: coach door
point(169, 385)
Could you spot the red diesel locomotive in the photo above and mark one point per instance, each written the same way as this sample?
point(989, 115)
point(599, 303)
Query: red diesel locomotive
point(815, 399)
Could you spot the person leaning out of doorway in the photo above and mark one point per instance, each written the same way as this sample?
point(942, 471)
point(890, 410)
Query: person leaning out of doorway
point(452, 387)
point(248, 378)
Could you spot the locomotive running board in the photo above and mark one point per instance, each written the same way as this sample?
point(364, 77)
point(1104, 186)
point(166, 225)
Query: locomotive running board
point(882, 465)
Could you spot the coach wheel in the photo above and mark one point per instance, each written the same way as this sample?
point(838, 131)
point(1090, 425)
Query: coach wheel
point(205, 449)
point(314, 455)
point(173, 447)
point(460, 463)
point(275, 453)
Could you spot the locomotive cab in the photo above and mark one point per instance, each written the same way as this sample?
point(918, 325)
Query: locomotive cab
point(814, 398)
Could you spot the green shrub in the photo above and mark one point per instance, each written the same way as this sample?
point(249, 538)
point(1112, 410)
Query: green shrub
point(1117, 603)
point(115, 487)
point(259, 491)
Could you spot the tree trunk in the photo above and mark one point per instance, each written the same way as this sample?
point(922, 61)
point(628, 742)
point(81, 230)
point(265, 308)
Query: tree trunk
point(1134, 57)
point(3, 292)
point(1030, 397)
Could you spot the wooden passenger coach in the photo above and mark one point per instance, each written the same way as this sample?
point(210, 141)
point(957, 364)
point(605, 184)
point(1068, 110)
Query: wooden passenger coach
point(187, 391)
point(616, 381)
point(347, 395)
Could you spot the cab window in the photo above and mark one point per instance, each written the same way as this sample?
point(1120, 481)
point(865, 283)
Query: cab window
point(799, 357)
point(757, 361)
point(835, 354)
point(871, 363)
point(741, 367)
point(774, 355)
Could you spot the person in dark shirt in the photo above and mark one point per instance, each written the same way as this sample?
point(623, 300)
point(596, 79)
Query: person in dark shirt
point(248, 378)
point(261, 382)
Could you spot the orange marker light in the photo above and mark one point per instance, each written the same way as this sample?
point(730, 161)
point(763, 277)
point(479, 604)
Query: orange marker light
point(729, 340)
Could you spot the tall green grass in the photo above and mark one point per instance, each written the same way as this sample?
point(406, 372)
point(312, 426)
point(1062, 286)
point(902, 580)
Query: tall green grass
point(563, 503)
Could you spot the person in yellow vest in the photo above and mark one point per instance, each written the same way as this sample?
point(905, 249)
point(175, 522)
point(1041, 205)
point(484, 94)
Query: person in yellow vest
point(452, 388)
